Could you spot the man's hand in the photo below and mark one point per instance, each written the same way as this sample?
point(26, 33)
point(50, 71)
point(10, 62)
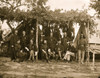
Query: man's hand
point(26, 48)
point(43, 51)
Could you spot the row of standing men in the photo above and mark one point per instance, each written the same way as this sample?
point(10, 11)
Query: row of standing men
point(49, 48)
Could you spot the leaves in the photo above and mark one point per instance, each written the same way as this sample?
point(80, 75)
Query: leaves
point(43, 13)
point(95, 4)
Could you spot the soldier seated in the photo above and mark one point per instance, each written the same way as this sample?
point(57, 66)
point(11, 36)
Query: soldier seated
point(51, 54)
point(70, 53)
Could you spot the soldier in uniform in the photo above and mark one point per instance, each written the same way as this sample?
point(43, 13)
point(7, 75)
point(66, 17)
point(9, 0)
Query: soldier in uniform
point(59, 50)
point(70, 53)
point(24, 45)
point(31, 48)
point(52, 41)
point(17, 48)
point(64, 42)
point(13, 41)
point(1, 40)
point(31, 35)
point(81, 48)
point(23, 41)
point(56, 33)
point(44, 51)
point(12, 45)
point(1, 32)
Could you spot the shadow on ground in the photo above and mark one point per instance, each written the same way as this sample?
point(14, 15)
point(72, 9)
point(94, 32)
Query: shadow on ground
point(41, 69)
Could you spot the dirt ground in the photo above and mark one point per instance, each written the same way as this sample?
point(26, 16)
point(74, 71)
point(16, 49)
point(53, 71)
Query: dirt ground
point(42, 69)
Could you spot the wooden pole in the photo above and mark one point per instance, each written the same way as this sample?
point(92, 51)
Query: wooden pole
point(37, 38)
point(88, 57)
point(93, 60)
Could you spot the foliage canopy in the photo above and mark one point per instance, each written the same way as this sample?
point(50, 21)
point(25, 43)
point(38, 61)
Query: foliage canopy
point(37, 9)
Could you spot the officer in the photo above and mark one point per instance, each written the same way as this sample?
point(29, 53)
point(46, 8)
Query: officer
point(82, 44)
point(23, 41)
point(17, 49)
point(45, 50)
point(59, 50)
point(24, 45)
point(31, 48)
point(31, 35)
point(52, 41)
point(13, 41)
point(64, 42)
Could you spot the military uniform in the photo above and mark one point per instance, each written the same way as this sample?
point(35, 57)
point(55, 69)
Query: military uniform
point(59, 50)
point(81, 49)
point(13, 42)
point(17, 49)
point(64, 43)
point(82, 44)
point(69, 33)
point(44, 51)
point(1, 35)
point(52, 43)
point(57, 34)
point(24, 43)
point(31, 47)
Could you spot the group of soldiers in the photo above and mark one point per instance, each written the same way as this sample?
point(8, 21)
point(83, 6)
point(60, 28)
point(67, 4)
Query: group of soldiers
point(60, 48)
point(49, 48)
point(21, 46)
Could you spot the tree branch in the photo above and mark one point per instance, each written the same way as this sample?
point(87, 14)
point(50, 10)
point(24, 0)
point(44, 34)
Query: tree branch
point(5, 2)
point(10, 26)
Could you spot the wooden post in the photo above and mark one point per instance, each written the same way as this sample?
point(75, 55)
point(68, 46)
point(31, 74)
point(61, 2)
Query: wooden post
point(88, 57)
point(37, 38)
point(93, 60)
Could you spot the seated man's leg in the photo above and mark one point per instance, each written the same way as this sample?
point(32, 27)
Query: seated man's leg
point(79, 56)
point(59, 52)
point(68, 57)
point(32, 55)
point(83, 54)
point(65, 57)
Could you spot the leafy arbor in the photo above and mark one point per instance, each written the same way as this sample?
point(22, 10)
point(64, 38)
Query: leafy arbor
point(37, 9)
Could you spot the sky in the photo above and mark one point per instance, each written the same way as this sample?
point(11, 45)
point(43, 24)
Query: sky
point(70, 4)
point(66, 5)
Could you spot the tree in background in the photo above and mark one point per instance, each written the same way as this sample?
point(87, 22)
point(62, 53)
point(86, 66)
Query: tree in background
point(95, 4)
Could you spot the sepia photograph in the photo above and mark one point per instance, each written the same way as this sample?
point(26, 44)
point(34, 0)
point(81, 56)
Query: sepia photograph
point(49, 38)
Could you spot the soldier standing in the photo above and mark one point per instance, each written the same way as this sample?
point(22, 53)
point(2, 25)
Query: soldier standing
point(13, 41)
point(52, 42)
point(31, 48)
point(1, 32)
point(45, 50)
point(31, 35)
point(81, 48)
point(64, 42)
point(24, 45)
point(17, 48)
point(23, 41)
point(56, 32)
